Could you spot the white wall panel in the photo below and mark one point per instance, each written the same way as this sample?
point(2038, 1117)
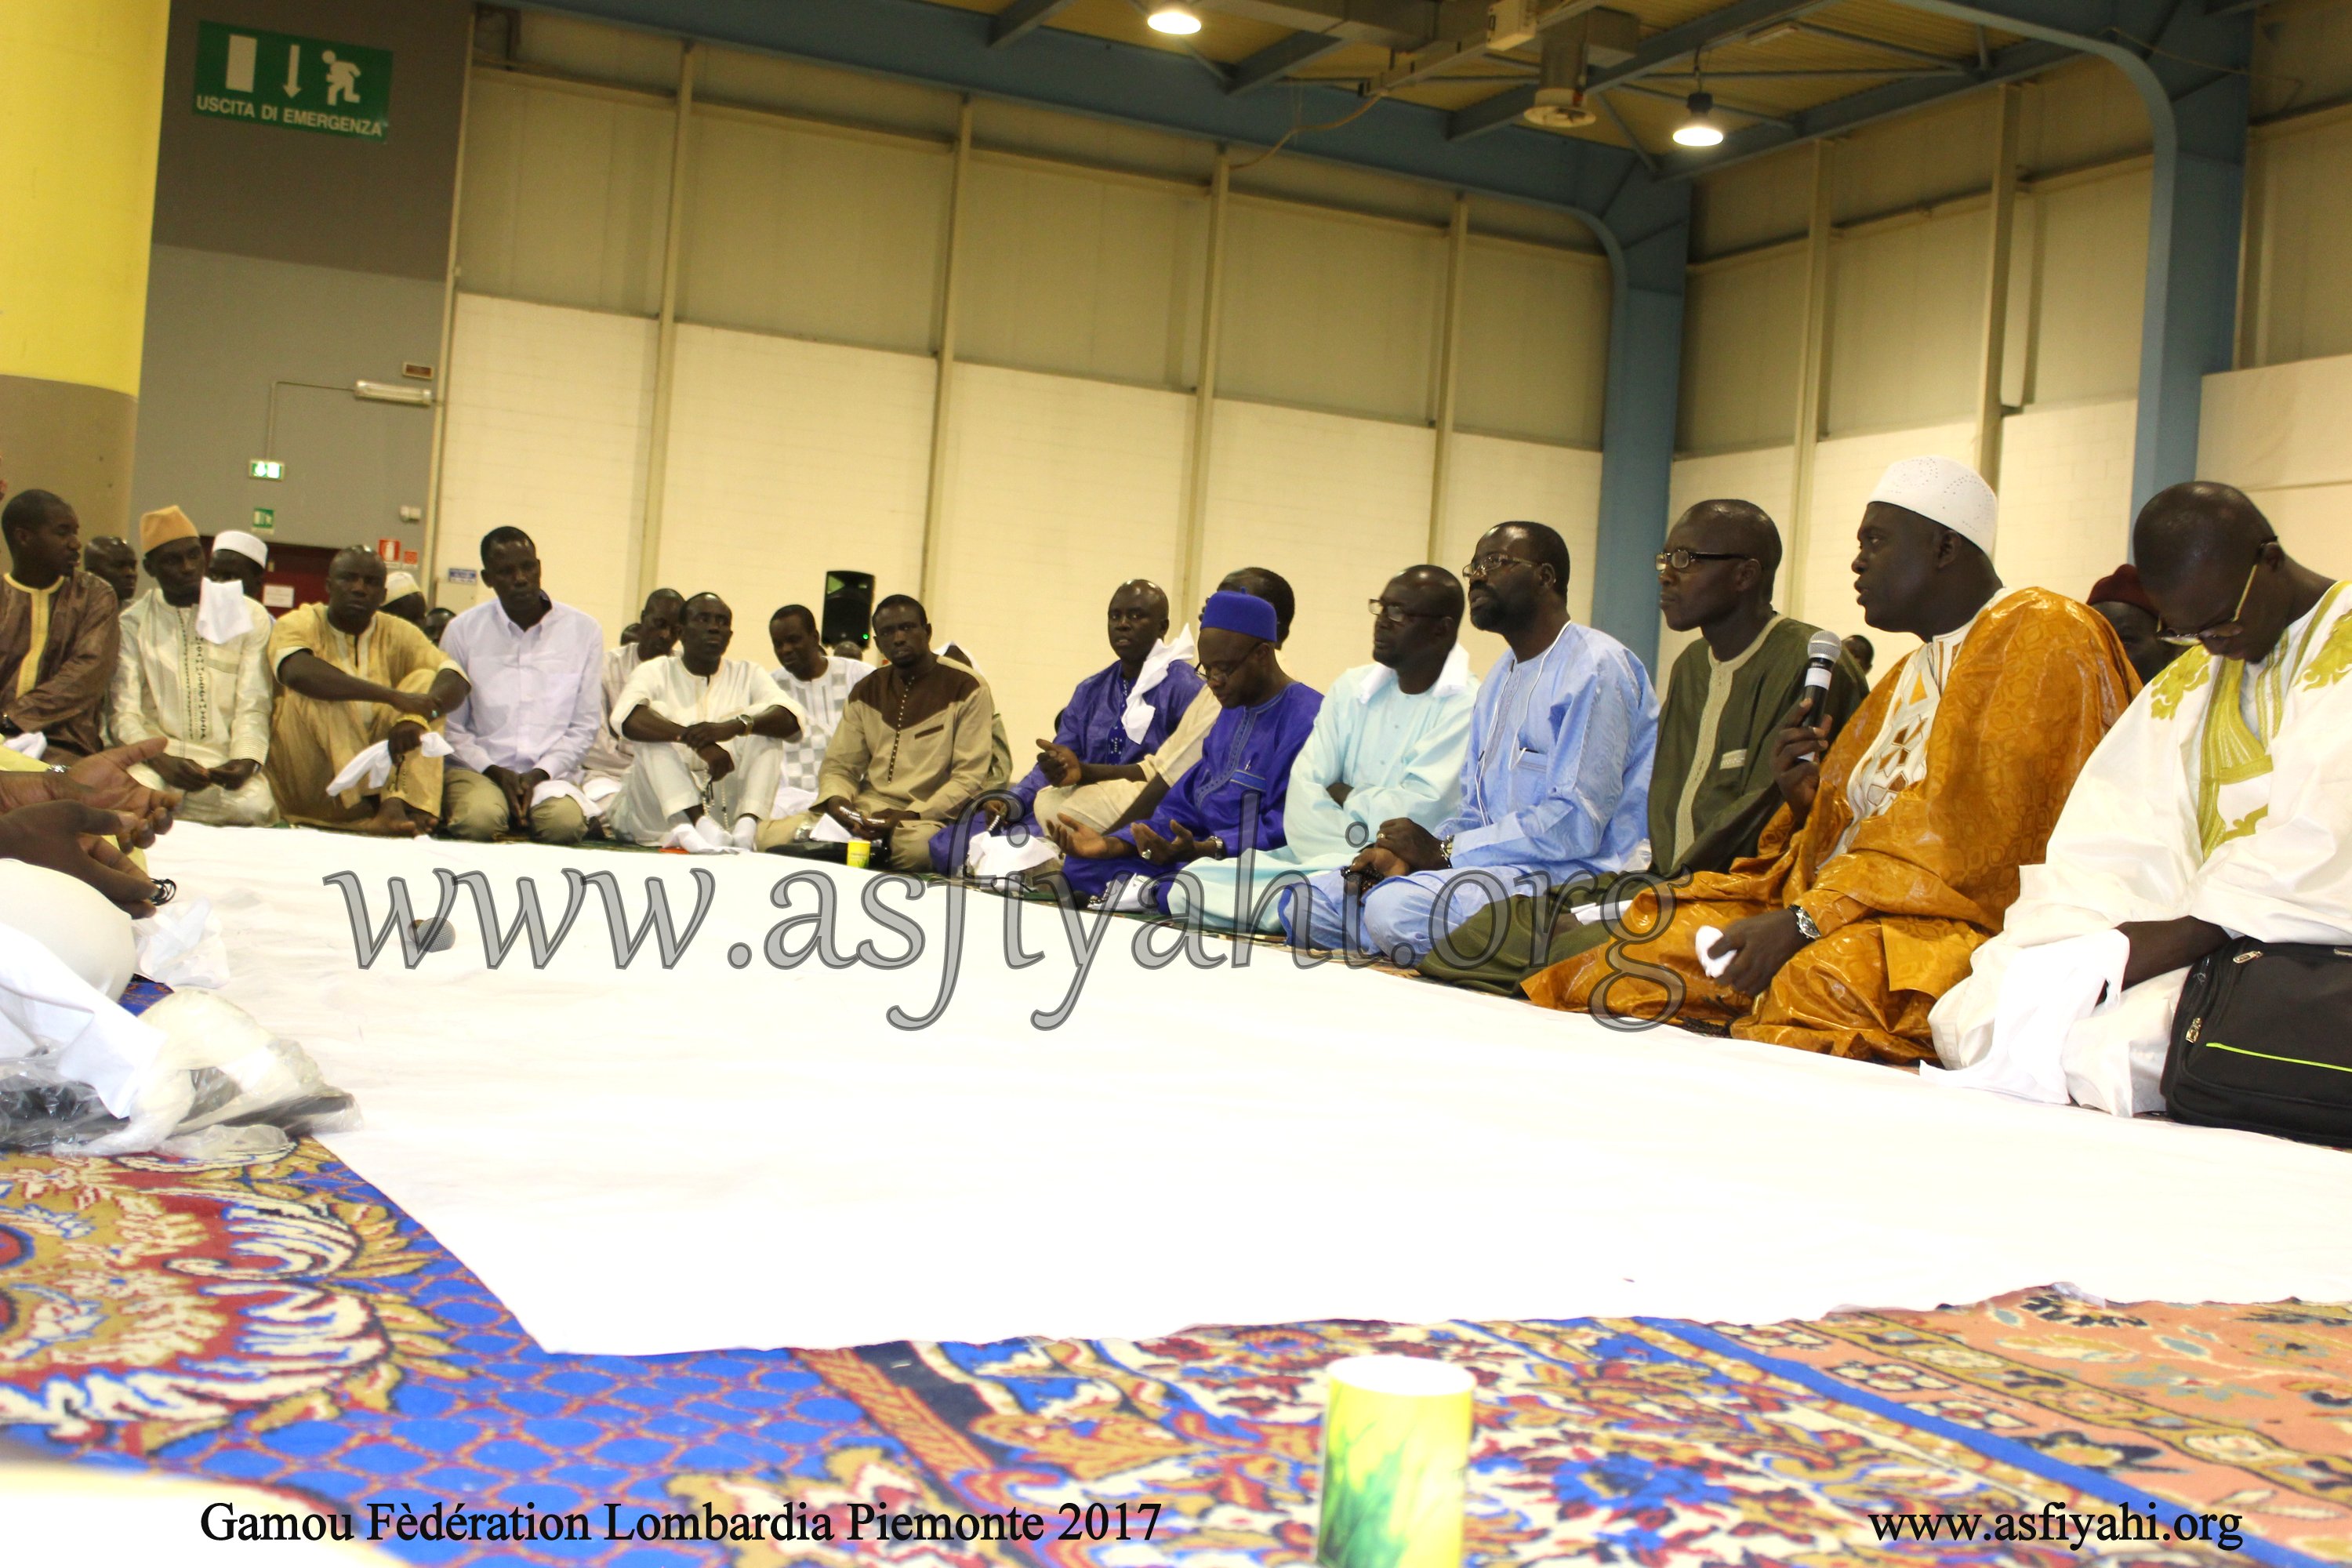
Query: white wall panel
point(1086, 276)
point(2300, 230)
point(2066, 495)
point(1907, 305)
point(565, 195)
point(788, 459)
point(1331, 311)
point(2092, 273)
point(1058, 490)
point(2283, 425)
point(1534, 349)
point(1490, 481)
point(548, 410)
point(789, 230)
point(1335, 505)
point(1743, 335)
point(2283, 435)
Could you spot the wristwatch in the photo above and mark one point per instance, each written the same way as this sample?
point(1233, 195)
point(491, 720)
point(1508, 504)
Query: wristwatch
point(1445, 850)
point(1805, 926)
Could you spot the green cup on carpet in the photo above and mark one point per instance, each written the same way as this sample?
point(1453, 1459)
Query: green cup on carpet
point(1396, 1442)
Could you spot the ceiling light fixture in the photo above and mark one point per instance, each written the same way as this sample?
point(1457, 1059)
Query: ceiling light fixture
point(1700, 129)
point(1175, 20)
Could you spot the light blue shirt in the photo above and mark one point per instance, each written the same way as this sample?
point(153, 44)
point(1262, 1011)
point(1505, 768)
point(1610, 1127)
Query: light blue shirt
point(1558, 778)
point(1399, 755)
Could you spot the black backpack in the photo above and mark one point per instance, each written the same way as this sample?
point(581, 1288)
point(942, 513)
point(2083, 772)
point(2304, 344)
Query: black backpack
point(2262, 1041)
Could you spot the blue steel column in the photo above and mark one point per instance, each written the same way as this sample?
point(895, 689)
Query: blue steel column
point(1637, 432)
point(2196, 208)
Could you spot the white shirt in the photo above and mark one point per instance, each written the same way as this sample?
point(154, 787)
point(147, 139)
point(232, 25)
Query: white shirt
point(212, 700)
point(538, 692)
point(820, 701)
point(737, 688)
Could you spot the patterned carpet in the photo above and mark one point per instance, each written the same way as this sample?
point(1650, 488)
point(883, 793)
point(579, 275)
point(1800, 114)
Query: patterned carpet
point(285, 1326)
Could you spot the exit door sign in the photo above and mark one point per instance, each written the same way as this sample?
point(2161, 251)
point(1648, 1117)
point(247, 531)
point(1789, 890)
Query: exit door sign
point(303, 84)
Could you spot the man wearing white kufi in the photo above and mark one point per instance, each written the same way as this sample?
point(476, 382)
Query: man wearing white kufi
point(241, 559)
point(192, 670)
point(1898, 850)
point(2217, 807)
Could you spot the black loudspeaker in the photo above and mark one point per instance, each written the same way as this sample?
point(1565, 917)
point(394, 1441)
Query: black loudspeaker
point(848, 608)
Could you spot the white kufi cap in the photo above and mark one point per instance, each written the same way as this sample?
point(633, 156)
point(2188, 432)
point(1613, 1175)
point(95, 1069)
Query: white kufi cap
point(244, 544)
point(1945, 491)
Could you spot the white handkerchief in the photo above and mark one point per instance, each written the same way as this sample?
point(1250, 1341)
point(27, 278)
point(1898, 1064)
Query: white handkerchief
point(220, 612)
point(180, 946)
point(1135, 718)
point(551, 789)
point(826, 830)
point(1715, 964)
point(373, 763)
point(31, 744)
point(991, 856)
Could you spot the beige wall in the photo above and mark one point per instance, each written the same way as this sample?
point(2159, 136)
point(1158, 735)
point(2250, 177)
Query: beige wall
point(812, 268)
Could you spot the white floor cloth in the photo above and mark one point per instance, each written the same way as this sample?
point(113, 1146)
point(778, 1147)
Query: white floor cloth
point(657, 1161)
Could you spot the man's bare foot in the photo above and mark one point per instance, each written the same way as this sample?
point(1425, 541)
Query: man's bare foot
point(393, 819)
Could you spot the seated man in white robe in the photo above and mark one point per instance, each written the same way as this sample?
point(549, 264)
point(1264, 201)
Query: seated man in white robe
point(1387, 743)
point(193, 669)
point(2217, 807)
point(709, 734)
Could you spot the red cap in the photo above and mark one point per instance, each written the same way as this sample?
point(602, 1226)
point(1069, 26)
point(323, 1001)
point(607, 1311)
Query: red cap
point(2121, 587)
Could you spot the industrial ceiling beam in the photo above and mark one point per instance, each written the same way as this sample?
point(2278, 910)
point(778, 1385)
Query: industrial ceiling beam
point(1900, 51)
point(1282, 56)
point(1655, 55)
point(1392, 24)
point(1856, 109)
point(1018, 19)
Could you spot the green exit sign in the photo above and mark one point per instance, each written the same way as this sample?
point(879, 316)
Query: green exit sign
point(303, 84)
point(266, 469)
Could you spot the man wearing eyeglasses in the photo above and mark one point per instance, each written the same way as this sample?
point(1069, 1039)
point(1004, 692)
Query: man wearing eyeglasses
point(1714, 788)
point(1387, 745)
point(2216, 807)
point(1233, 797)
point(1900, 846)
point(1555, 786)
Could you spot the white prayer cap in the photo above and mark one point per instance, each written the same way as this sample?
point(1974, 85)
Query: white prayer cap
point(244, 544)
point(399, 585)
point(1942, 490)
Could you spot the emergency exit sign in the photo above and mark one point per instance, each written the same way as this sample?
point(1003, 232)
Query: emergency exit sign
point(302, 84)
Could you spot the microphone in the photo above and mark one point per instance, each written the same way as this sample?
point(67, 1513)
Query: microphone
point(1821, 655)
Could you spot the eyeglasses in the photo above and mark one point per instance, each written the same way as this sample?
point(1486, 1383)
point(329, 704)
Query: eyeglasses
point(1216, 672)
point(1683, 560)
point(1487, 565)
point(2220, 631)
point(1397, 615)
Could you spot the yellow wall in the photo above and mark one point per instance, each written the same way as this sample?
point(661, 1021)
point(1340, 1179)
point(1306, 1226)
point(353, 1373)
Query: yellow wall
point(78, 186)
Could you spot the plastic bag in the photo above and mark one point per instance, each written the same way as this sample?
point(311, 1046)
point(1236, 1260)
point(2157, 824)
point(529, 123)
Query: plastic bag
point(218, 1086)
